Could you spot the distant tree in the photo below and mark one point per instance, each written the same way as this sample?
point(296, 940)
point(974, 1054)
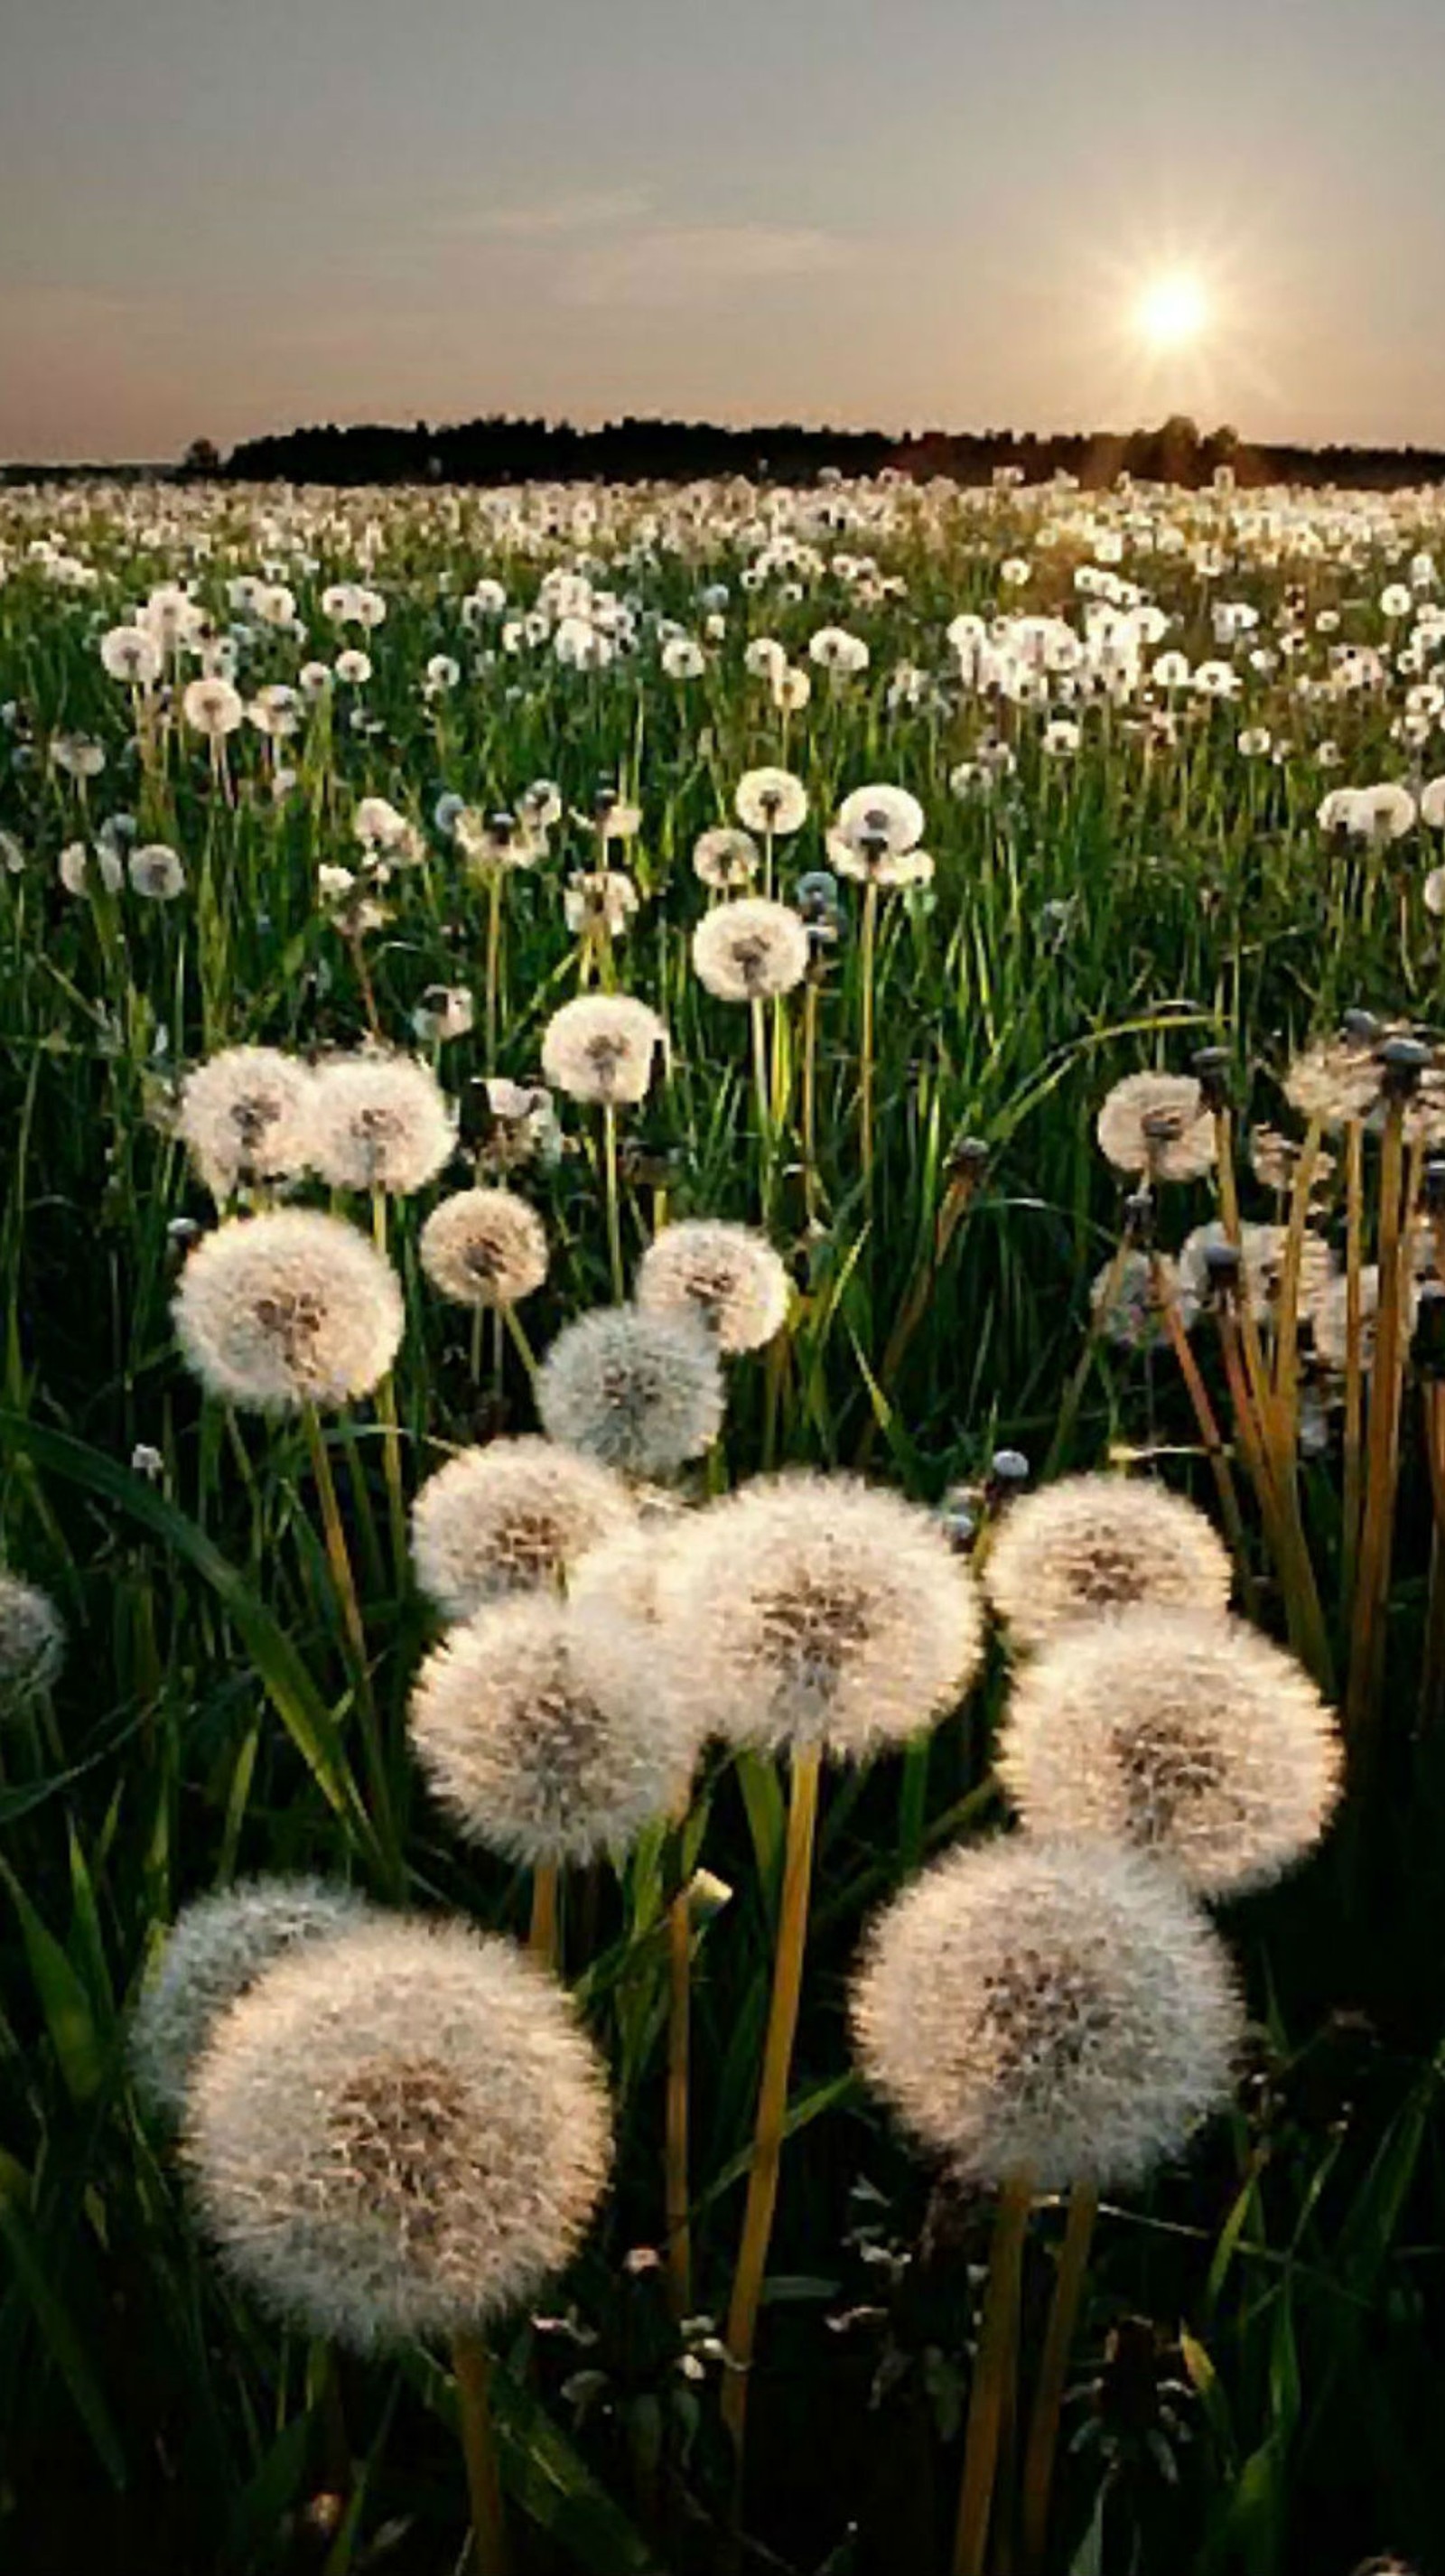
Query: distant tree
point(1177, 453)
point(201, 459)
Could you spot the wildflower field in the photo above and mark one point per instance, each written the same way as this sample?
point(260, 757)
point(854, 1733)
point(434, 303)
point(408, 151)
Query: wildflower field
point(722, 1508)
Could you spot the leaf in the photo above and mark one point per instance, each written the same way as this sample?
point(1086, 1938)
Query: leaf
point(288, 1685)
point(34, 2274)
point(64, 2001)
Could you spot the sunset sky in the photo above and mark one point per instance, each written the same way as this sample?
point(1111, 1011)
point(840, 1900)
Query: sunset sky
point(215, 220)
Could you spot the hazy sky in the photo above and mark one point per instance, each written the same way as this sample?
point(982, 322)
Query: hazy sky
point(221, 218)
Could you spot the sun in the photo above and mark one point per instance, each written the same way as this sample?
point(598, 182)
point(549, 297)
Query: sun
point(1173, 311)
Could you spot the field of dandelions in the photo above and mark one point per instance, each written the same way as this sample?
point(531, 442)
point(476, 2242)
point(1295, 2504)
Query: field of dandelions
point(722, 1507)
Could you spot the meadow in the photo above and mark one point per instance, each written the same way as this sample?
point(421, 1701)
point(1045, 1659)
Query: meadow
point(828, 1957)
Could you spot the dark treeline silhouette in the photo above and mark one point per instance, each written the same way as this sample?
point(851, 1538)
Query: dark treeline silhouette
point(499, 450)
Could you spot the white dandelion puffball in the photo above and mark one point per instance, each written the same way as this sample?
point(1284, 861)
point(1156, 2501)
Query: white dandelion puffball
point(816, 1610)
point(1157, 1126)
point(729, 1276)
point(32, 1643)
point(1261, 1253)
point(1087, 1546)
point(641, 1393)
point(1336, 1080)
point(750, 950)
point(212, 707)
point(129, 653)
point(484, 1248)
point(291, 1308)
point(399, 2133)
point(157, 872)
point(879, 822)
point(770, 800)
point(602, 1047)
point(724, 858)
point(1330, 1318)
point(545, 1734)
point(1188, 1734)
point(1064, 2011)
point(245, 1116)
point(515, 1516)
point(215, 1950)
point(380, 1122)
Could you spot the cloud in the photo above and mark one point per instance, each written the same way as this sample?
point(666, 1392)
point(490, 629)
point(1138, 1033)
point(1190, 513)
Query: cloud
point(596, 210)
point(680, 264)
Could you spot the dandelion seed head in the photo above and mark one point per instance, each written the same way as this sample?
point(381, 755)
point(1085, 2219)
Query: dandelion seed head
point(1129, 1300)
point(875, 822)
point(214, 1951)
point(32, 1643)
point(1330, 1317)
point(128, 653)
point(600, 1049)
point(816, 1610)
point(484, 1248)
point(156, 872)
point(212, 707)
point(751, 949)
point(515, 1516)
point(245, 1116)
point(1061, 2010)
point(725, 858)
point(770, 800)
point(641, 1393)
point(1262, 1251)
point(1090, 1546)
point(544, 1733)
point(380, 1122)
point(1335, 1081)
point(729, 1276)
point(399, 2134)
point(1182, 1732)
point(290, 1308)
point(1156, 1125)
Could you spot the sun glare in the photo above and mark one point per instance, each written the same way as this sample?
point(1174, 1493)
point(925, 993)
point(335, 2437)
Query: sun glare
point(1173, 311)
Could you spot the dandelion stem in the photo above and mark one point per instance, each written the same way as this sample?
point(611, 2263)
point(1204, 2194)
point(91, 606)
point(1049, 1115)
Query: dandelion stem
point(675, 2147)
point(525, 1352)
point(542, 1937)
point(993, 2371)
point(1209, 1433)
point(1354, 1371)
point(810, 1098)
point(390, 1423)
point(760, 1083)
point(1367, 1651)
point(742, 2321)
point(1043, 2435)
point(614, 1211)
point(867, 949)
point(494, 959)
point(472, 2366)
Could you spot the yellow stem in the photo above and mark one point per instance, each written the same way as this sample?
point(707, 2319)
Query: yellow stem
point(742, 2321)
point(675, 2150)
point(993, 2374)
point(1043, 2438)
point(865, 1086)
point(542, 1937)
point(471, 2363)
